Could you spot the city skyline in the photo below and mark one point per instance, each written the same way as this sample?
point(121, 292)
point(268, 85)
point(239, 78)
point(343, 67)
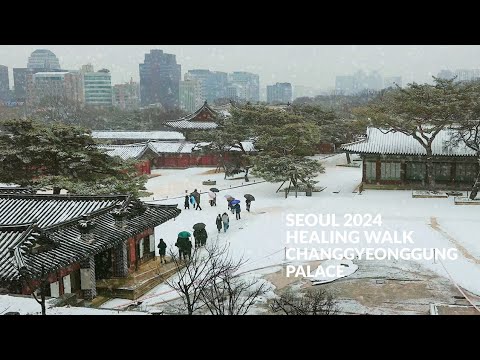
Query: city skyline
point(306, 65)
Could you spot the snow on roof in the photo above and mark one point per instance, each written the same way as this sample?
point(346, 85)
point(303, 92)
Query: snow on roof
point(138, 135)
point(396, 143)
point(187, 124)
point(131, 151)
point(165, 147)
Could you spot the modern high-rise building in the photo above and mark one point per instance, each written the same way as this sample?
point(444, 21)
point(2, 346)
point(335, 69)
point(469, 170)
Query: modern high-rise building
point(54, 85)
point(280, 93)
point(4, 83)
point(247, 85)
point(160, 77)
point(213, 83)
point(461, 75)
point(392, 82)
point(43, 60)
point(98, 88)
point(20, 78)
point(191, 95)
point(345, 84)
point(126, 96)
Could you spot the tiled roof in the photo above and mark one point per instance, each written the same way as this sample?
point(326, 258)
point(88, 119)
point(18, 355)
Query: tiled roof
point(68, 246)
point(164, 147)
point(190, 122)
point(187, 124)
point(49, 210)
point(17, 190)
point(396, 143)
point(138, 135)
point(130, 151)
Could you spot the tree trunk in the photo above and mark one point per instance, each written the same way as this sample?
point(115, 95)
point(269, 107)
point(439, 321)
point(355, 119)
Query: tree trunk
point(42, 299)
point(56, 190)
point(430, 171)
point(476, 185)
point(349, 161)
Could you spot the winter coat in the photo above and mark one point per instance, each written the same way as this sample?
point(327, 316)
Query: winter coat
point(162, 247)
point(187, 200)
point(192, 200)
point(219, 221)
point(237, 208)
point(181, 243)
point(196, 196)
point(225, 218)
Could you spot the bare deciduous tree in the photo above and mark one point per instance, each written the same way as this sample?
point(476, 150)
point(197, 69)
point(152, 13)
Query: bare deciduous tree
point(313, 302)
point(207, 280)
point(231, 295)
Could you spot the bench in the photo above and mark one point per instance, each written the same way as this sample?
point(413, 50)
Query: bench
point(303, 189)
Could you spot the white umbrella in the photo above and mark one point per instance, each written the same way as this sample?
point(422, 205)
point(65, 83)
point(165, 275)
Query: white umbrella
point(212, 195)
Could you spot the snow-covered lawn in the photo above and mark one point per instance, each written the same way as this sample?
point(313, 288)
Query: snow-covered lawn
point(28, 306)
point(260, 236)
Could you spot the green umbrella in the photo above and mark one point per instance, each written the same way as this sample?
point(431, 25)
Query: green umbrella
point(184, 234)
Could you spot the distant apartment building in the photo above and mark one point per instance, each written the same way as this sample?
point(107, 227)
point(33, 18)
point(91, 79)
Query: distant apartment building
point(160, 77)
point(54, 85)
point(345, 84)
point(358, 82)
point(43, 60)
point(20, 78)
point(460, 75)
point(280, 93)
point(4, 83)
point(191, 95)
point(213, 83)
point(126, 96)
point(247, 85)
point(392, 82)
point(98, 88)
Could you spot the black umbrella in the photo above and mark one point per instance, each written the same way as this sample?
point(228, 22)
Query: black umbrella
point(249, 197)
point(214, 190)
point(199, 226)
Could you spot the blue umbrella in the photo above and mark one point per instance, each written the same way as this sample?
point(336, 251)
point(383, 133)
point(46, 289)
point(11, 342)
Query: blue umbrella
point(235, 202)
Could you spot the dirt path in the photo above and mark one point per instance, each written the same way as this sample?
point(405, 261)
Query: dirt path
point(434, 224)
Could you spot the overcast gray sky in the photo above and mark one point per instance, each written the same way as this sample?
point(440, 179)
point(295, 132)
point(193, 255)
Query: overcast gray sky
point(308, 65)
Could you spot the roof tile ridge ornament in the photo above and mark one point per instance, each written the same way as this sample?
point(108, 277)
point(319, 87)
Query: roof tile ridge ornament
point(85, 226)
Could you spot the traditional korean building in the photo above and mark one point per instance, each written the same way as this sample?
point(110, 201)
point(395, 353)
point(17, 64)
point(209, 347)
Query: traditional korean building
point(70, 242)
point(132, 137)
point(397, 159)
point(204, 118)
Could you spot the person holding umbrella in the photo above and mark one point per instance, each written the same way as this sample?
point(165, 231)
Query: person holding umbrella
point(236, 207)
point(183, 243)
point(249, 198)
point(162, 249)
point(219, 222)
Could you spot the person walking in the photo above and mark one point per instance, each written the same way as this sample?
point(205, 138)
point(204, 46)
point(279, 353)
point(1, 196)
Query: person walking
point(188, 249)
point(196, 196)
point(219, 222)
point(196, 236)
point(180, 244)
point(247, 204)
point(162, 249)
point(187, 202)
point(237, 211)
point(192, 201)
point(226, 221)
point(203, 237)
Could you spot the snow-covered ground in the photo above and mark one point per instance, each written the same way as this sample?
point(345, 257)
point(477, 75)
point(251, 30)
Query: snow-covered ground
point(26, 305)
point(260, 236)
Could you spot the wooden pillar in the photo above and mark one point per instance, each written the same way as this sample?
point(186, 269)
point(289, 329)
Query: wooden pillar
point(453, 171)
point(378, 171)
point(403, 172)
point(120, 268)
point(364, 170)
